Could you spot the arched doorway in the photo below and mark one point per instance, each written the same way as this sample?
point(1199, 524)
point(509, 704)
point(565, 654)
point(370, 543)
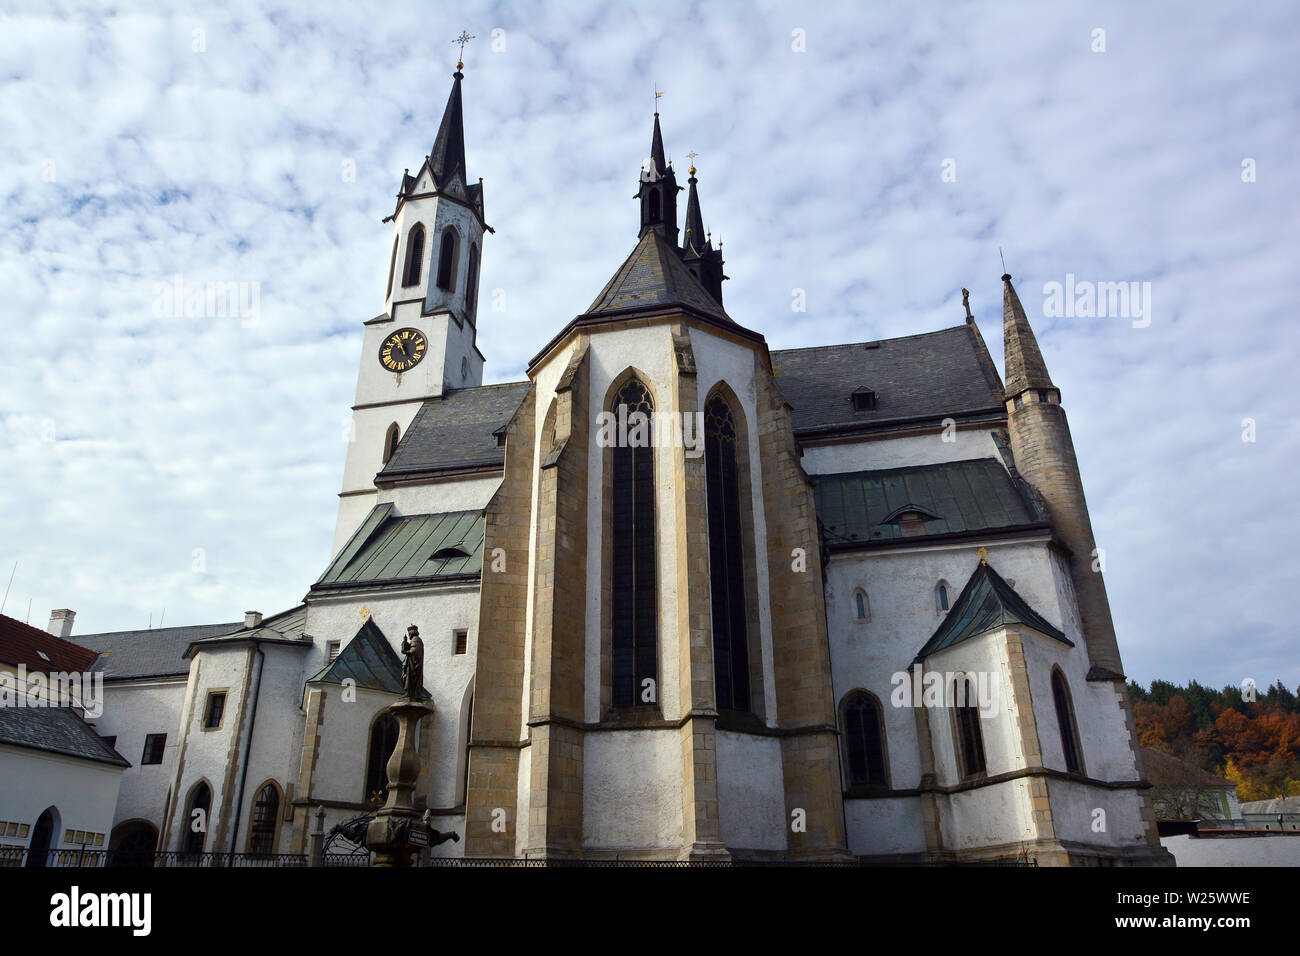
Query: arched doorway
point(132, 844)
point(44, 835)
point(196, 818)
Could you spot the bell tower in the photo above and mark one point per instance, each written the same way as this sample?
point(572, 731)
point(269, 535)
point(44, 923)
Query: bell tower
point(423, 343)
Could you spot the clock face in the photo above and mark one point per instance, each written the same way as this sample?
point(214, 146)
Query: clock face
point(402, 350)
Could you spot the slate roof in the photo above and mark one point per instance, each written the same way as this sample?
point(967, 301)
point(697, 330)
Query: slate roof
point(155, 652)
point(285, 627)
point(987, 602)
point(654, 276)
point(391, 549)
point(1166, 770)
point(368, 659)
point(23, 644)
point(456, 431)
point(57, 730)
point(973, 495)
point(1274, 805)
point(916, 378)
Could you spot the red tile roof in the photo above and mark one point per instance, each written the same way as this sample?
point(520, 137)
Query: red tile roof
point(23, 644)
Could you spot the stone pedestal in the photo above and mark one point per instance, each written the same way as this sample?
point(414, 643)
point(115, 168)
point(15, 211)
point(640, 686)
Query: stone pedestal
point(397, 833)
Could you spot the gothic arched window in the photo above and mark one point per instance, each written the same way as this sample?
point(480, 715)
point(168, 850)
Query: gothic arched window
point(195, 823)
point(383, 738)
point(447, 261)
point(654, 205)
point(1065, 721)
point(941, 597)
point(861, 605)
point(414, 256)
point(265, 821)
point(471, 281)
point(635, 604)
point(726, 563)
point(864, 741)
point(390, 441)
point(969, 737)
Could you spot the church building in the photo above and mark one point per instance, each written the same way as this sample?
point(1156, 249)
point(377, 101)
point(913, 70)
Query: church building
point(682, 596)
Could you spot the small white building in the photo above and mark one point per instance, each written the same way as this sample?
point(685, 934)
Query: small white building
point(59, 780)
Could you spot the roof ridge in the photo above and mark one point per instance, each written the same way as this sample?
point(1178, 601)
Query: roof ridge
point(850, 345)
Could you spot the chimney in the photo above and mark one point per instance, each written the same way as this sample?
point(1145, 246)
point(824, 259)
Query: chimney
point(61, 622)
point(252, 619)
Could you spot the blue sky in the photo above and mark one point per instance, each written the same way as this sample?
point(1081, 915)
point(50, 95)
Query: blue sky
point(135, 149)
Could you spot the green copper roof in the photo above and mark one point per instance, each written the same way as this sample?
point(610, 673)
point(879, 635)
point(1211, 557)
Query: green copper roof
point(986, 603)
point(973, 495)
point(368, 659)
point(390, 548)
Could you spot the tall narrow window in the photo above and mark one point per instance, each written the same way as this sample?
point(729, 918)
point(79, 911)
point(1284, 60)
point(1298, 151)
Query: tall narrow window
point(471, 282)
point(266, 813)
point(414, 256)
point(726, 565)
point(215, 710)
point(383, 738)
point(970, 739)
point(392, 269)
point(864, 741)
point(861, 605)
point(447, 261)
point(196, 823)
point(391, 440)
point(941, 597)
point(635, 605)
point(654, 205)
point(1065, 721)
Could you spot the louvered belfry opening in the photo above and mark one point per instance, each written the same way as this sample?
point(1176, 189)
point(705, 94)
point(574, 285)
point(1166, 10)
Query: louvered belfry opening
point(634, 592)
point(726, 565)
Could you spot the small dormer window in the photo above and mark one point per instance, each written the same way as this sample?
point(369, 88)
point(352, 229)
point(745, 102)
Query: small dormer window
point(910, 523)
point(449, 554)
point(501, 438)
point(864, 400)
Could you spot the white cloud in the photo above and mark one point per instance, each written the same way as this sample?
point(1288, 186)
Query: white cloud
point(821, 170)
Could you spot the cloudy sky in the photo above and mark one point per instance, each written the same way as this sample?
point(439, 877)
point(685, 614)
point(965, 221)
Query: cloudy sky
point(876, 159)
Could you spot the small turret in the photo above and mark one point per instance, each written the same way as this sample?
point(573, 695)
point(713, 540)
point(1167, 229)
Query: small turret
point(1044, 455)
point(658, 192)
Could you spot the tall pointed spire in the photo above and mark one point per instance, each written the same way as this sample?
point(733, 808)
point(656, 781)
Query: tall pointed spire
point(695, 241)
point(1025, 368)
point(657, 148)
point(448, 151)
point(697, 251)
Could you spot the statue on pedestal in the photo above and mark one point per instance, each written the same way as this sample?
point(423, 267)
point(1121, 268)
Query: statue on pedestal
point(413, 665)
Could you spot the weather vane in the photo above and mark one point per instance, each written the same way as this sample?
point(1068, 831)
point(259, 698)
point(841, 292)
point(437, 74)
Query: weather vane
point(658, 93)
point(462, 40)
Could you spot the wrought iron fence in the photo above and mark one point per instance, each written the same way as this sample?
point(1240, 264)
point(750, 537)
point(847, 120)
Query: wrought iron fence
point(170, 859)
point(78, 857)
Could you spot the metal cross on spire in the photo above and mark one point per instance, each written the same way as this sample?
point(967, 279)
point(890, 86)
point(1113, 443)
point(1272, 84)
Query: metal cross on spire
point(464, 38)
